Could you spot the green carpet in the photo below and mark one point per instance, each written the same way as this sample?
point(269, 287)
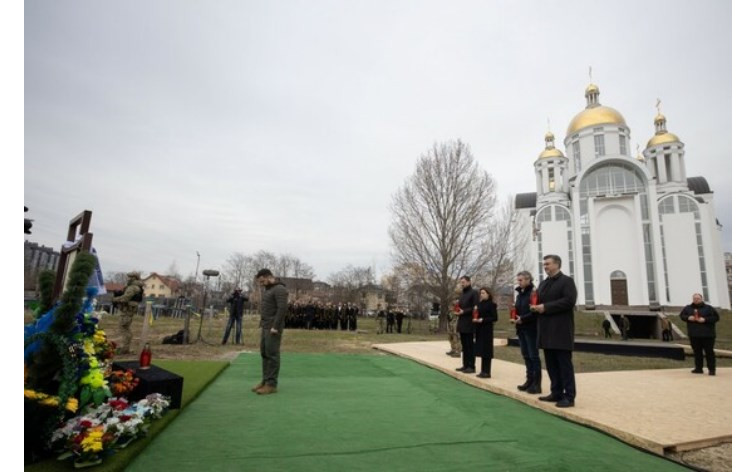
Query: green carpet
point(364, 412)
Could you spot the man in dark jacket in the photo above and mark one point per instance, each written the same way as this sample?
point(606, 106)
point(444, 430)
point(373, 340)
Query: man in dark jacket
point(236, 300)
point(273, 310)
point(468, 299)
point(527, 333)
point(556, 331)
point(701, 319)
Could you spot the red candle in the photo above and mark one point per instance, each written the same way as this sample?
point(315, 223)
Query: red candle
point(145, 358)
point(534, 298)
point(476, 315)
point(512, 313)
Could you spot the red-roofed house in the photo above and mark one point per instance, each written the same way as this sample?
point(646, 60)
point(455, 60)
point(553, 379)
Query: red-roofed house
point(160, 286)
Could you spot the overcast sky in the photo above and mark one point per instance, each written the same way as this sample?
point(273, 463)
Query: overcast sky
point(235, 126)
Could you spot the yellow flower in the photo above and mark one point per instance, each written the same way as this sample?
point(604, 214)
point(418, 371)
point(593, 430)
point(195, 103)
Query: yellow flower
point(89, 347)
point(93, 442)
point(72, 404)
point(99, 336)
point(50, 401)
point(30, 394)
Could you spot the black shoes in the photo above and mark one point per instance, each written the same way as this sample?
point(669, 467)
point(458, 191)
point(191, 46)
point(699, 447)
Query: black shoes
point(712, 372)
point(484, 375)
point(468, 370)
point(550, 398)
point(460, 369)
point(525, 386)
point(564, 403)
point(696, 371)
point(535, 387)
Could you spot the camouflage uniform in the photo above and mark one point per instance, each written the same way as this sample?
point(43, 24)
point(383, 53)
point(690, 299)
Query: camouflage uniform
point(128, 308)
point(451, 329)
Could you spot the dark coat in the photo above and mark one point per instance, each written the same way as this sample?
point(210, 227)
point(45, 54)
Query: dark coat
point(467, 301)
point(700, 330)
point(522, 306)
point(237, 304)
point(556, 325)
point(273, 308)
point(484, 333)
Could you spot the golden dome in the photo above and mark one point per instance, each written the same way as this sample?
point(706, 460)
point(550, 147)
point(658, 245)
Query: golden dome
point(663, 138)
point(553, 152)
point(599, 115)
point(591, 88)
point(659, 118)
point(549, 136)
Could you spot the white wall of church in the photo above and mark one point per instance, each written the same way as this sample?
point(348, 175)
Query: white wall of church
point(684, 272)
point(617, 244)
point(554, 241)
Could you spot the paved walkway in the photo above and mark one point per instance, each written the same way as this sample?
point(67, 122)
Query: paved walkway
point(657, 410)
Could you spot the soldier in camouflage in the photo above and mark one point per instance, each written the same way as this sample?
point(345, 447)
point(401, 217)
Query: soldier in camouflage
point(128, 304)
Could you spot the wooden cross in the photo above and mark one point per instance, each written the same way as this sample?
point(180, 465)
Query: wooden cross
point(71, 247)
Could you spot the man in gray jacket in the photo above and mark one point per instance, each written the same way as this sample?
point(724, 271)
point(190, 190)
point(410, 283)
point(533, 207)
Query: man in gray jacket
point(275, 302)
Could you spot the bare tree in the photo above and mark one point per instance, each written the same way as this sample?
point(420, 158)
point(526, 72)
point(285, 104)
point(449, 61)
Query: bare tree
point(504, 244)
point(237, 270)
point(440, 217)
point(116, 278)
point(301, 269)
point(173, 271)
point(348, 280)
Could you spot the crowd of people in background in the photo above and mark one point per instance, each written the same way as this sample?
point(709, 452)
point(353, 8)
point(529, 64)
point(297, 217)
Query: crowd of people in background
point(320, 315)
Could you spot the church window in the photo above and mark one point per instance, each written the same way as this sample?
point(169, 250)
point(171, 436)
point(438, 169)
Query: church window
point(598, 142)
point(623, 145)
point(668, 166)
point(551, 179)
point(576, 155)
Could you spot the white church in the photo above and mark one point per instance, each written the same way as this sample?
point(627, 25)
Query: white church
point(633, 231)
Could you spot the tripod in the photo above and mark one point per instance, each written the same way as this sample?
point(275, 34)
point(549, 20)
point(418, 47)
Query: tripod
point(207, 274)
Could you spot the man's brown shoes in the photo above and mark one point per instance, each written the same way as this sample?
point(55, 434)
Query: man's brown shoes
point(258, 387)
point(266, 390)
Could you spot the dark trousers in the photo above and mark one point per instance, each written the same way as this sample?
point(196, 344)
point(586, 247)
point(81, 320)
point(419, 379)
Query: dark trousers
point(233, 320)
point(399, 325)
point(529, 351)
point(485, 365)
point(561, 373)
point(270, 350)
point(468, 349)
point(701, 346)
point(607, 333)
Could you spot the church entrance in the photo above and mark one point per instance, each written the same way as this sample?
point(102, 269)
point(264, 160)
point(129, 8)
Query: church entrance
point(618, 281)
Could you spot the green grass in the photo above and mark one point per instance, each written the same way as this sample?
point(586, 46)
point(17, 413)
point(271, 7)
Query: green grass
point(197, 375)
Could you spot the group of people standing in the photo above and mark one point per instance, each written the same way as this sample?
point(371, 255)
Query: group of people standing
point(319, 315)
point(544, 319)
point(389, 319)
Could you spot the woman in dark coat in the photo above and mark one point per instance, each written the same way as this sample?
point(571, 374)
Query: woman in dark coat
point(487, 316)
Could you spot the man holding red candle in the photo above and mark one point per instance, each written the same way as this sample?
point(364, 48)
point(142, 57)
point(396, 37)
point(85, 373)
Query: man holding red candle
point(556, 331)
point(702, 331)
point(527, 332)
point(468, 299)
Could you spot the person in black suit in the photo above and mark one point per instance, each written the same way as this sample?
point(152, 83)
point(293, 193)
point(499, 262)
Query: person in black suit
point(399, 320)
point(465, 327)
point(702, 332)
point(556, 331)
point(484, 331)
